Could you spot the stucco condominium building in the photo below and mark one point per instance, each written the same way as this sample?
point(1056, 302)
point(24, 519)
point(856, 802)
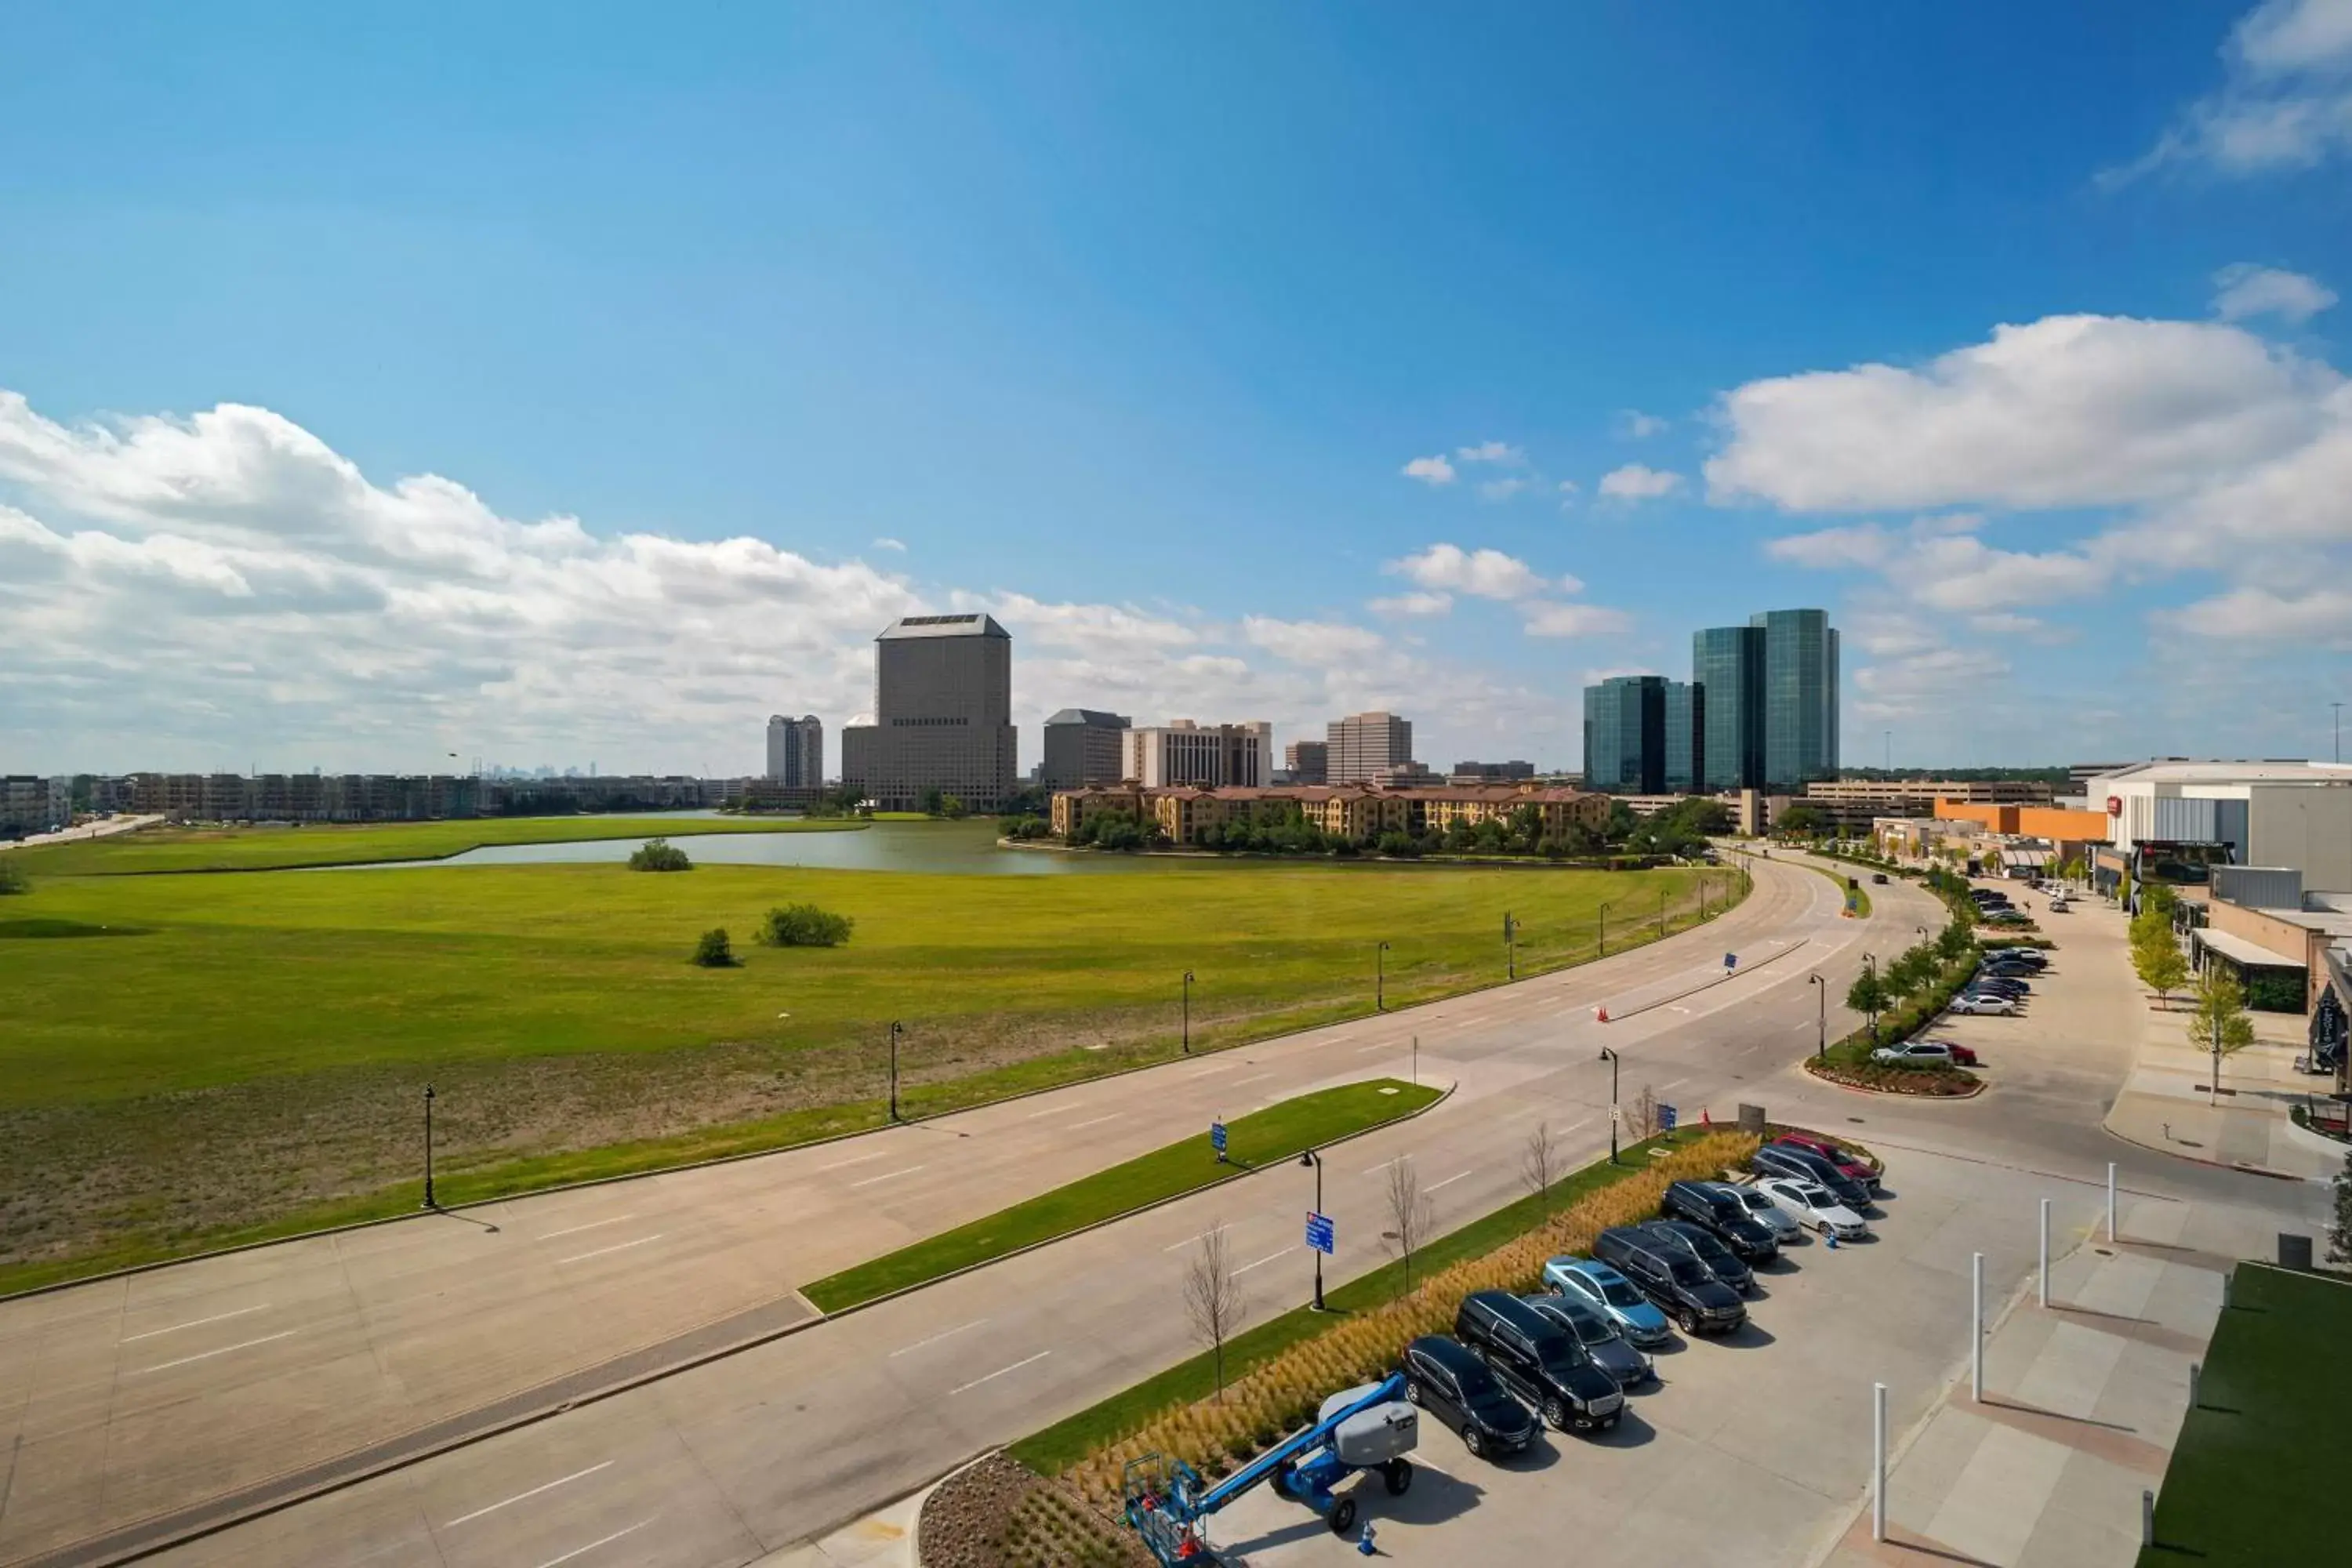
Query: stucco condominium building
point(1359, 812)
point(797, 752)
point(1083, 747)
point(1362, 744)
point(30, 804)
point(942, 715)
point(1211, 756)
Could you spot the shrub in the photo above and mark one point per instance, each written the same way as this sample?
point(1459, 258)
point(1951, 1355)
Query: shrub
point(805, 925)
point(659, 854)
point(714, 950)
point(12, 877)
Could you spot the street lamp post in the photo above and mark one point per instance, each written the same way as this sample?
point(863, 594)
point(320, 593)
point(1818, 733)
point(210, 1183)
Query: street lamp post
point(1610, 1058)
point(1870, 967)
point(1821, 994)
point(895, 1032)
point(1605, 929)
point(428, 1149)
point(1310, 1158)
point(1510, 948)
point(1381, 978)
point(1662, 912)
point(1188, 1011)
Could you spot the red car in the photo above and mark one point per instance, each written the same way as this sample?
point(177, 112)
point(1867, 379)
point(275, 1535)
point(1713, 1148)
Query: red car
point(1845, 1159)
point(1965, 1056)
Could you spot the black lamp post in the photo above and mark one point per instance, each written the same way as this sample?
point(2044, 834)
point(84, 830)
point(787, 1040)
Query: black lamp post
point(1309, 1157)
point(1662, 911)
point(1510, 948)
point(429, 1148)
point(1188, 1011)
point(1604, 929)
point(1821, 994)
point(1610, 1058)
point(895, 1032)
point(1870, 967)
point(1381, 978)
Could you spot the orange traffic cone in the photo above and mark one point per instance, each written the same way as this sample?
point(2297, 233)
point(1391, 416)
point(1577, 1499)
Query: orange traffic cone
point(1600, 1015)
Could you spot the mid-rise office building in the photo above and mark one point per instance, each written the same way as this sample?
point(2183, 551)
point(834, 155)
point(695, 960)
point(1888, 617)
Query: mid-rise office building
point(1361, 745)
point(1490, 773)
point(1686, 729)
point(1083, 747)
point(1207, 756)
point(1768, 691)
point(1727, 665)
point(942, 715)
point(797, 752)
point(1307, 761)
point(1641, 735)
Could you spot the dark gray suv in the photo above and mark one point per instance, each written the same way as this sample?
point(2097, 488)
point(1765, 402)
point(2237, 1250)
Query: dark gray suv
point(1677, 1282)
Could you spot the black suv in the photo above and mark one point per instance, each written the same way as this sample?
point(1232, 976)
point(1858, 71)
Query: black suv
point(1678, 1284)
point(1784, 1160)
point(1701, 1243)
point(1724, 1214)
point(1446, 1379)
point(1543, 1364)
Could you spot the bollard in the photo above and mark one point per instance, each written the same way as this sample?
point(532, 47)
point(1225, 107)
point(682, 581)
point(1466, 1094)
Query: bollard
point(2111, 1200)
point(2225, 1288)
point(2043, 1284)
point(2147, 1518)
point(1878, 1461)
point(1976, 1327)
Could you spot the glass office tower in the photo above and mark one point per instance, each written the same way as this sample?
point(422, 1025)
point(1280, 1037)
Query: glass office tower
point(1727, 665)
point(1685, 737)
point(1626, 734)
point(1799, 697)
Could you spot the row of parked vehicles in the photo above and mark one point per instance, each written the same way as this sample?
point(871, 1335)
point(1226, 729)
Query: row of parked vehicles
point(1566, 1358)
point(2003, 980)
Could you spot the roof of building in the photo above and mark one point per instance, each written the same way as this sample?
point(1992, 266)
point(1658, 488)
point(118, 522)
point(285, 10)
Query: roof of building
point(2271, 770)
point(2239, 950)
point(1090, 716)
point(943, 626)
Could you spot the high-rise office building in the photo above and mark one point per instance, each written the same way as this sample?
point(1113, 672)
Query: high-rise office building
point(1082, 747)
point(1685, 737)
point(1626, 734)
point(1770, 693)
point(1362, 744)
point(942, 715)
point(1728, 667)
point(796, 751)
point(1212, 756)
point(1309, 761)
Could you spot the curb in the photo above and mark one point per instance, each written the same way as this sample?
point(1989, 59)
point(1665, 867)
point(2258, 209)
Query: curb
point(1981, 1085)
point(2215, 1164)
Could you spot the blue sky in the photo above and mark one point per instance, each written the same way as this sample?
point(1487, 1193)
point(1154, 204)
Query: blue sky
point(1126, 325)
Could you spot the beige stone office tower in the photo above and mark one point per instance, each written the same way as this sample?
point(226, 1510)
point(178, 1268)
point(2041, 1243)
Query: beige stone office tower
point(943, 716)
point(1362, 744)
point(796, 751)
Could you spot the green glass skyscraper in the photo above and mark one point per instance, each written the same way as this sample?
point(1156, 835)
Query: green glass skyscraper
point(1728, 667)
point(1770, 695)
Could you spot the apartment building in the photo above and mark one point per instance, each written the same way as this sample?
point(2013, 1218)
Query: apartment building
point(1357, 813)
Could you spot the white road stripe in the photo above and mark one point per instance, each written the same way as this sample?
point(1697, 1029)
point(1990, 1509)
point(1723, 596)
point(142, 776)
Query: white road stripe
point(616, 1246)
point(884, 1176)
point(1253, 1078)
point(1098, 1122)
point(207, 1355)
point(1382, 1046)
point(1050, 1110)
point(1186, 1242)
point(1676, 1084)
point(1000, 1371)
point(1266, 1259)
point(604, 1540)
point(549, 1487)
point(1219, 1067)
point(1383, 1165)
point(860, 1160)
point(192, 1323)
point(942, 1334)
point(576, 1229)
point(1574, 1125)
point(1450, 1180)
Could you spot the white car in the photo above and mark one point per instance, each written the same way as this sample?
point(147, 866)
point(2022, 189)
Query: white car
point(1987, 1005)
point(1813, 1207)
point(2059, 904)
point(1914, 1053)
point(1760, 1209)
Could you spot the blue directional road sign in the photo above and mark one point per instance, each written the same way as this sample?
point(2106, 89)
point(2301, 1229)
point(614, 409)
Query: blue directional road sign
point(1666, 1118)
point(1730, 961)
point(1318, 1233)
point(1217, 1138)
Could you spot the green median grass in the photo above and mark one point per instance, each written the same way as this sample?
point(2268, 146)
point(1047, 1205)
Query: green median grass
point(1262, 1137)
point(2258, 1459)
point(1057, 1448)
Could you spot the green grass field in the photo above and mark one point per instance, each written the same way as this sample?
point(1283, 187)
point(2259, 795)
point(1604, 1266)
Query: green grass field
point(330, 844)
point(244, 1052)
point(2256, 1459)
point(1264, 1137)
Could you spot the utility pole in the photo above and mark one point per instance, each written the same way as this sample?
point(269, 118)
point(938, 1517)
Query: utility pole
point(1510, 949)
point(1188, 1011)
point(1605, 929)
point(1381, 978)
point(1822, 993)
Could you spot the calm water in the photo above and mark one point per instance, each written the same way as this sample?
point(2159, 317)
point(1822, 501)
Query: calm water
point(959, 848)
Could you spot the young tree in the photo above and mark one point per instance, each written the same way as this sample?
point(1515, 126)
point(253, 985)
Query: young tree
point(1539, 1165)
point(805, 925)
point(1868, 995)
point(1411, 1215)
point(714, 950)
point(1641, 1117)
point(2158, 960)
point(1952, 943)
point(2339, 1230)
point(2217, 1020)
point(1213, 1296)
point(659, 855)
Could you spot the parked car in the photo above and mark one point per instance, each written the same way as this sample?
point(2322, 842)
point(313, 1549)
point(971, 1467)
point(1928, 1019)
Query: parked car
point(1984, 1007)
point(1814, 1207)
point(1921, 1054)
point(1852, 1165)
point(1804, 1166)
point(1610, 1293)
point(1681, 1286)
point(1704, 1244)
point(1541, 1363)
point(2059, 903)
point(1602, 1340)
point(1720, 1211)
point(1446, 1378)
point(1762, 1210)
point(2001, 985)
point(2012, 961)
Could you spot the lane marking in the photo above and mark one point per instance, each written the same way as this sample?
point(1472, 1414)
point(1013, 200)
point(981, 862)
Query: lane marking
point(1451, 1179)
point(859, 1159)
point(1220, 1067)
point(1000, 1371)
point(1574, 1125)
point(605, 1541)
point(592, 1225)
point(1186, 1242)
point(1267, 1258)
point(549, 1487)
point(942, 1334)
point(616, 1246)
point(1676, 1084)
point(1050, 1110)
point(207, 1355)
point(1098, 1122)
point(884, 1176)
point(1383, 1165)
point(1383, 1046)
point(1253, 1077)
point(192, 1323)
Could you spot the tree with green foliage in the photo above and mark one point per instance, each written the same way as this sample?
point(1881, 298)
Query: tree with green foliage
point(1869, 996)
point(932, 802)
point(714, 950)
point(2217, 1020)
point(12, 877)
point(659, 854)
point(2159, 962)
point(805, 925)
point(952, 807)
point(1802, 821)
point(1912, 970)
point(2339, 1230)
point(1952, 943)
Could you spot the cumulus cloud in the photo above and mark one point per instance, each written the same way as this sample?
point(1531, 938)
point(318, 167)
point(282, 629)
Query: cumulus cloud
point(1636, 426)
point(1485, 573)
point(1503, 489)
point(1558, 620)
point(1491, 452)
point(2246, 289)
point(1429, 471)
point(2319, 616)
point(1635, 482)
point(2284, 101)
point(1414, 604)
point(886, 542)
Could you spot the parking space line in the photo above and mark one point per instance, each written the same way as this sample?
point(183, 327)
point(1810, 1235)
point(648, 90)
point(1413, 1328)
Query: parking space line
point(884, 1176)
point(942, 1334)
point(858, 1160)
point(207, 1355)
point(604, 1540)
point(1450, 1180)
point(592, 1225)
point(549, 1487)
point(1266, 1259)
point(1000, 1371)
point(192, 1323)
point(616, 1246)
point(1098, 1122)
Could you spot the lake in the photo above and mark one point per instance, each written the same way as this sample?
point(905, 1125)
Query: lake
point(967, 849)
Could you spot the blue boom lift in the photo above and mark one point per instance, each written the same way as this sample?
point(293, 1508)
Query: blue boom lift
point(1365, 1428)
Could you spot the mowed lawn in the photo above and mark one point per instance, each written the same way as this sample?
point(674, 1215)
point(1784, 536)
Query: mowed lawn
point(228, 978)
point(326, 844)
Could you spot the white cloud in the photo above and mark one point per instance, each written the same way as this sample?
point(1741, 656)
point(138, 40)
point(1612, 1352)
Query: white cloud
point(1960, 571)
point(2321, 616)
point(1548, 619)
point(1486, 574)
point(2246, 289)
point(1491, 452)
point(1414, 604)
point(886, 543)
point(1311, 642)
point(1503, 489)
point(1430, 470)
point(1932, 682)
point(2284, 101)
point(1867, 545)
point(1636, 482)
point(1636, 426)
point(1611, 672)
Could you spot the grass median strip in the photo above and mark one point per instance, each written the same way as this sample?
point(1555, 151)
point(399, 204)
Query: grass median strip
point(1277, 1132)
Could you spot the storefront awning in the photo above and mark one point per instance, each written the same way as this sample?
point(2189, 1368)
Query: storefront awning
point(2241, 952)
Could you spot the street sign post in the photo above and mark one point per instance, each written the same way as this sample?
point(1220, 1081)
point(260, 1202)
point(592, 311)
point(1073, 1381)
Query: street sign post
point(1217, 1140)
point(1318, 1234)
point(1666, 1118)
point(1730, 961)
